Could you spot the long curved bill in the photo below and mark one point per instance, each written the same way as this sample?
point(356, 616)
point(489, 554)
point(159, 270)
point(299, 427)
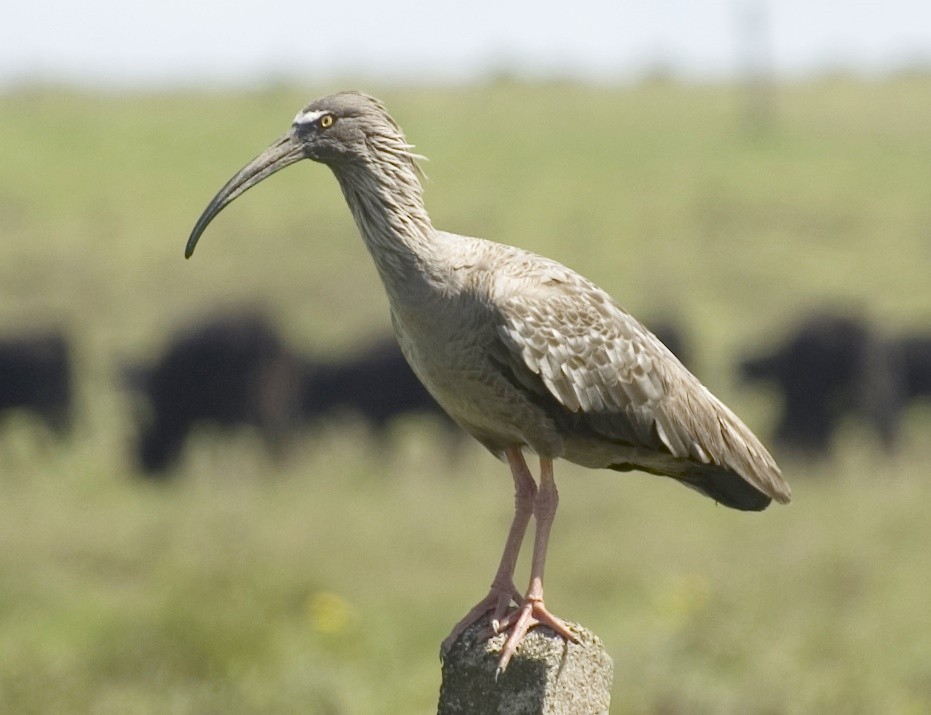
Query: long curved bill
point(284, 152)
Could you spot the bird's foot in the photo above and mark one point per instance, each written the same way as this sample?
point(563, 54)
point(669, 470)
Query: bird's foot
point(531, 613)
point(497, 602)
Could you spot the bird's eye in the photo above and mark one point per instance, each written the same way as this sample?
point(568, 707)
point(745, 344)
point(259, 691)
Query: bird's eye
point(326, 120)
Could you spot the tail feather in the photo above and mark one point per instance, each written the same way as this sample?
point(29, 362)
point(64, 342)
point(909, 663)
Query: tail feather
point(719, 483)
point(727, 488)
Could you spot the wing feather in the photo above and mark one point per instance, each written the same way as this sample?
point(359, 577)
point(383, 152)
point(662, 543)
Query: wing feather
point(603, 366)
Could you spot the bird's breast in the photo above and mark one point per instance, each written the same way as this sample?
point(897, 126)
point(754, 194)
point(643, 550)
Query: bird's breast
point(450, 347)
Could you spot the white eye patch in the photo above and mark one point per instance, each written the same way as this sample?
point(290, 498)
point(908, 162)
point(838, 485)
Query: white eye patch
point(308, 117)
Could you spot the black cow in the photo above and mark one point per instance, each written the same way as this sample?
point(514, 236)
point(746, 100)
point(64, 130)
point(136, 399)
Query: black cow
point(230, 370)
point(377, 384)
point(831, 366)
point(36, 376)
point(913, 354)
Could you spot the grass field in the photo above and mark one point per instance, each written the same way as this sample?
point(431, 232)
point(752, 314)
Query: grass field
point(324, 583)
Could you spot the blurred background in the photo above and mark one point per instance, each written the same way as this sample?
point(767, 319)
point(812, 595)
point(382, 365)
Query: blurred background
point(221, 491)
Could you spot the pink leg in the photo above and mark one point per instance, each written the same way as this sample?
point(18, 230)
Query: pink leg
point(503, 591)
point(532, 612)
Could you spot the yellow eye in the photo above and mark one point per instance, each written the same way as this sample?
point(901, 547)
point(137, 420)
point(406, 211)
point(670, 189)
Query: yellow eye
point(326, 120)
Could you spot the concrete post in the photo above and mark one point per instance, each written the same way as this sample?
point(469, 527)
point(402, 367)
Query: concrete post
point(547, 675)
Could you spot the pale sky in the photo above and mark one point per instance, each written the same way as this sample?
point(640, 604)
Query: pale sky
point(203, 42)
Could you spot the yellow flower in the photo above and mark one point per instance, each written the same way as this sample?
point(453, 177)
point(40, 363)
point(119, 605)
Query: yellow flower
point(329, 612)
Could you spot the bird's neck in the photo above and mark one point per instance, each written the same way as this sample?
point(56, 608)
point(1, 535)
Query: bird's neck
point(386, 200)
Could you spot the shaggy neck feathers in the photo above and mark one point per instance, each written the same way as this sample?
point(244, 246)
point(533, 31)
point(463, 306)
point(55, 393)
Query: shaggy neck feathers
point(383, 190)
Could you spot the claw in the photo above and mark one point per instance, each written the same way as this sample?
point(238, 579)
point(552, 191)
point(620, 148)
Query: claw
point(532, 613)
point(517, 623)
point(497, 602)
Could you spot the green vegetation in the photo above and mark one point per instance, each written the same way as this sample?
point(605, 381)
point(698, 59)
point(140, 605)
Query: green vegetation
point(324, 583)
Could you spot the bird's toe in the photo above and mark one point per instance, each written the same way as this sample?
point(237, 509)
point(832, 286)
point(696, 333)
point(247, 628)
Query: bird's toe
point(498, 602)
point(532, 613)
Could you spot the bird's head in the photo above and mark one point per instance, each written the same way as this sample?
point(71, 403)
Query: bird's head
point(339, 127)
point(335, 130)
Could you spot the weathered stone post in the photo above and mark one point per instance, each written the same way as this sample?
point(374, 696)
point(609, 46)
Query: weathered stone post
point(547, 675)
